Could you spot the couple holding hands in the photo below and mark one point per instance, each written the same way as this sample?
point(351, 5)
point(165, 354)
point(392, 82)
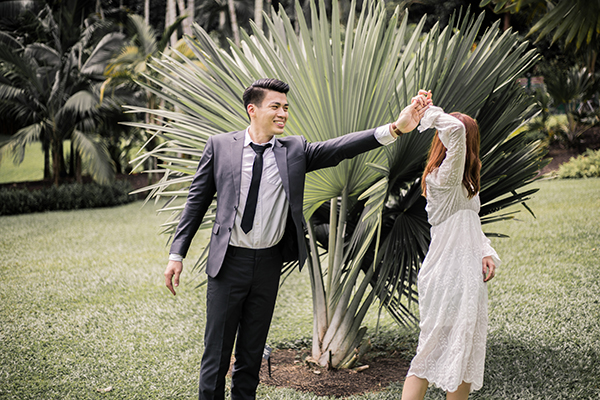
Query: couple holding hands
point(258, 179)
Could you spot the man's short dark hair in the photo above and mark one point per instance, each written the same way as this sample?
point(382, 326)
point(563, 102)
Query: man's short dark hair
point(255, 93)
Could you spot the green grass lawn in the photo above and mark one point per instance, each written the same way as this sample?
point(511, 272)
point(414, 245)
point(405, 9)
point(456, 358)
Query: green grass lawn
point(31, 169)
point(83, 306)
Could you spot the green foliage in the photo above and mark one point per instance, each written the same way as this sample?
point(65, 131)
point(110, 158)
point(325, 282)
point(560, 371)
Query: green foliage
point(65, 197)
point(574, 21)
point(572, 91)
point(42, 86)
point(586, 165)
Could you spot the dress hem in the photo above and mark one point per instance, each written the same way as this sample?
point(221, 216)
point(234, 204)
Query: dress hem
point(442, 387)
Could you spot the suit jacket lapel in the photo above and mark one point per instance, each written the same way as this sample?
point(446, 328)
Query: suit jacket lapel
point(281, 159)
point(236, 152)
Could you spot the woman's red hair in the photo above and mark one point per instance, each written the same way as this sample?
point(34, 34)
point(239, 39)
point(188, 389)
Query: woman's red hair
point(437, 153)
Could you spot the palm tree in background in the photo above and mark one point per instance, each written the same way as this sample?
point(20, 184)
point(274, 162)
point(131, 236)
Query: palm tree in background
point(132, 63)
point(51, 91)
point(577, 22)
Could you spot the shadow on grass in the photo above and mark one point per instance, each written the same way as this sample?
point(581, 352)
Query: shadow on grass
point(517, 369)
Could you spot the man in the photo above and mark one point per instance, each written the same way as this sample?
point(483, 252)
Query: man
point(259, 182)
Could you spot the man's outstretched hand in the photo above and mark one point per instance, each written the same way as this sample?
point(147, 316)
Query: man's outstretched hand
point(411, 115)
point(172, 273)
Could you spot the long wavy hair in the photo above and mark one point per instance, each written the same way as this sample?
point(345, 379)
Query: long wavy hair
point(437, 153)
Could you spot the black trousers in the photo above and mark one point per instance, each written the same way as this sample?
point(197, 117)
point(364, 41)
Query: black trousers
point(240, 299)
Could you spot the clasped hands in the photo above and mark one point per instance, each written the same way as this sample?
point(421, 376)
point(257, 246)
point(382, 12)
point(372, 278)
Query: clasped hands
point(411, 115)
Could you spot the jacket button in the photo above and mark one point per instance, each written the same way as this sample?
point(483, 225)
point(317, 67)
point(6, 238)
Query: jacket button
point(229, 229)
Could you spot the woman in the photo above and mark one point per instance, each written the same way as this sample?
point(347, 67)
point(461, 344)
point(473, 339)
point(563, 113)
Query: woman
point(452, 290)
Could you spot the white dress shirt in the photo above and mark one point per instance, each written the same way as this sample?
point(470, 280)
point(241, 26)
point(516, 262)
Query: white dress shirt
point(272, 205)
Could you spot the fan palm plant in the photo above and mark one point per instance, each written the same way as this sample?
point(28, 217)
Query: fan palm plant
point(367, 228)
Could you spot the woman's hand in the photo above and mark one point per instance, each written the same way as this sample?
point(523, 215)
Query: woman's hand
point(489, 268)
point(411, 115)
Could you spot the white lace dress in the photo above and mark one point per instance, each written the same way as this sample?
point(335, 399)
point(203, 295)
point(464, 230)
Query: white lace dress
point(452, 294)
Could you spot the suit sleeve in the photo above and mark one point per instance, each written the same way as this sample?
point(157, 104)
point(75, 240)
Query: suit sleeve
point(201, 194)
point(331, 152)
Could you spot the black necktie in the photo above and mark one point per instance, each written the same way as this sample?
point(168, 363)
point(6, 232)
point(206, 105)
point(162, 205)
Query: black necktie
point(257, 167)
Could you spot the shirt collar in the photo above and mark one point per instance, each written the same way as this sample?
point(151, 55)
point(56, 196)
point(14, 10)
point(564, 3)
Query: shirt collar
point(248, 139)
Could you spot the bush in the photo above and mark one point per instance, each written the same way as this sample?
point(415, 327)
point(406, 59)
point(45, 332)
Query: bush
point(65, 197)
point(586, 165)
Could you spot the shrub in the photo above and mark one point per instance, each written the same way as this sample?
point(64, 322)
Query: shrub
point(586, 165)
point(65, 197)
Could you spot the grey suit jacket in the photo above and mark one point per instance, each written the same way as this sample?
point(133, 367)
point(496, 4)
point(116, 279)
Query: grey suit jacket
point(219, 171)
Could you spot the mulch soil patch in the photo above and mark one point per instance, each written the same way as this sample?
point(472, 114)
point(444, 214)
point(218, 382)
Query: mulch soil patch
point(288, 369)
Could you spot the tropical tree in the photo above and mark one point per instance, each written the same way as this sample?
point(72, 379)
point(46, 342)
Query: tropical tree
point(367, 228)
point(224, 18)
point(575, 21)
point(132, 62)
point(49, 90)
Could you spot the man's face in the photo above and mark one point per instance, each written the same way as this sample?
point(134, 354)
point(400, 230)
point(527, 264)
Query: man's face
point(270, 117)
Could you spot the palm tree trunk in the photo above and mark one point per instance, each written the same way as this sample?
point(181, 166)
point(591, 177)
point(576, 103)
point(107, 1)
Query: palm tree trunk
point(506, 21)
point(56, 162)
point(147, 12)
point(61, 159)
point(258, 10)
point(222, 20)
point(170, 17)
point(191, 12)
point(186, 24)
point(72, 160)
point(234, 24)
point(46, 150)
point(78, 175)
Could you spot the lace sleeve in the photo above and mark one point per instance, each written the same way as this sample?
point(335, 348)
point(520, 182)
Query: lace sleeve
point(452, 134)
point(488, 250)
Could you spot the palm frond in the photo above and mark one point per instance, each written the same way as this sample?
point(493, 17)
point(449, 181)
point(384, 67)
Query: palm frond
point(94, 152)
point(104, 51)
point(20, 140)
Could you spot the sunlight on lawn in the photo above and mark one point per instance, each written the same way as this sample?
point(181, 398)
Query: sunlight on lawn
point(31, 169)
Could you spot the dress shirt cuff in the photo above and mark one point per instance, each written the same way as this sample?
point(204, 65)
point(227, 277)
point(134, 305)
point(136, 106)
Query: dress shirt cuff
point(384, 136)
point(175, 257)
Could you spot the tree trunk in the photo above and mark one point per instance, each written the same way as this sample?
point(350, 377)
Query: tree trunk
point(340, 303)
point(170, 19)
point(186, 25)
point(505, 22)
point(61, 159)
point(56, 149)
point(72, 159)
point(222, 20)
point(258, 10)
point(147, 12)
point(234, 23)
point(191, 12)
point(46, 150)
point(78, 175)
